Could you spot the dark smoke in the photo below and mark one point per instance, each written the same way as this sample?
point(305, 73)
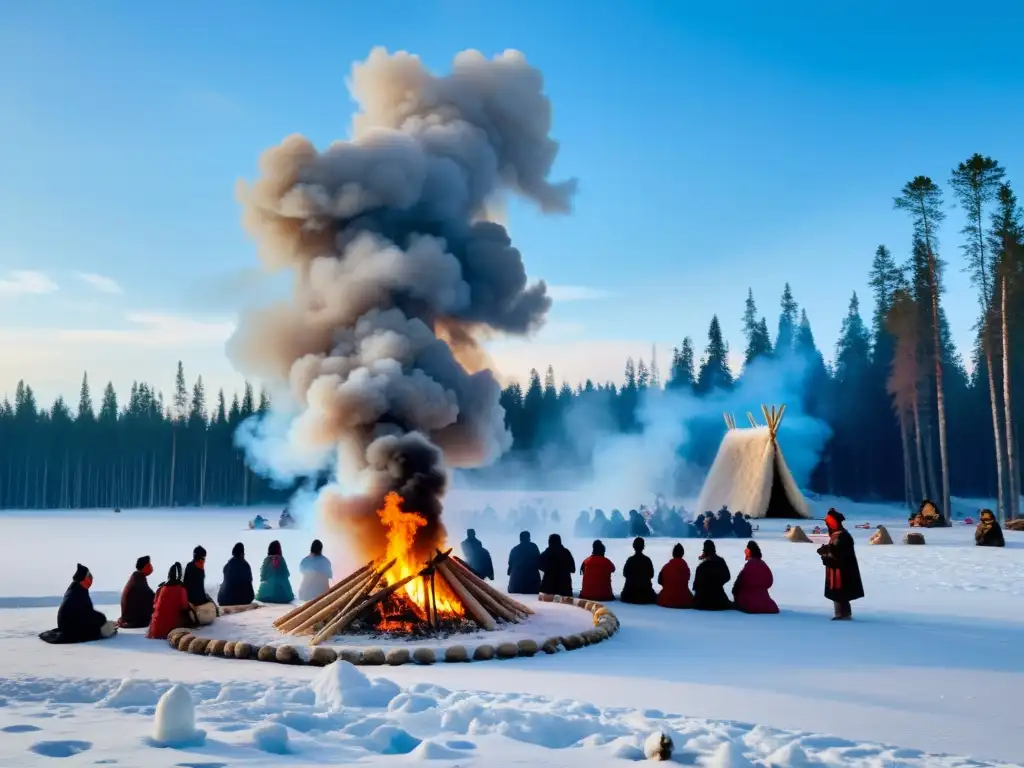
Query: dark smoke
point(393, 256)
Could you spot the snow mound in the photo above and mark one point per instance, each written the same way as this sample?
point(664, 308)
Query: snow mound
point(131, 693)
point(412, 703)
point(390, 740)
point(272, 738)
point(728, 756)
point(431, 750)
point(175, 720)
point(658, 746)
point(341, 684)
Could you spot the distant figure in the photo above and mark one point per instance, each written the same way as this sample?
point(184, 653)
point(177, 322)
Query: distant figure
point(476, 557)
point(558, 566)
point(555, 517)
point(523, 567)
point(259, 523)
point(616, 527)
point(597, 572)
point(639, 575)
point(77, 620)
point(275, 581)
point(137, 597)
point(236, 589)
point(842, 573)
point(581, 528)
point(171, 608)
point(988, 533)
point(675, 582)
point(750, 590)
point(637, 525)
point(741, 527)
point(195, 584)
point(709, 581)
point(928, 516)
point(286, 520)
point(316, 572)
point(721, 526)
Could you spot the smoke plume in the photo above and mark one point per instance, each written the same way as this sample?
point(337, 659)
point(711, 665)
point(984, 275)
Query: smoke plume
point(375, 362)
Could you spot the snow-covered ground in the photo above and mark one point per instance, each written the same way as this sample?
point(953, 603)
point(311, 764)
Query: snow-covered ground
point(930, 668)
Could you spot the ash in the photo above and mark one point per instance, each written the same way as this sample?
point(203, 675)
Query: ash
point(417, 630)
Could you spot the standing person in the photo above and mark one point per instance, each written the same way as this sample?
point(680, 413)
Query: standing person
point(558, 566)
point(236, 589)
point(137, 597)
point(709, 581)
point(275, 583)
point(171, 608)
point(842, 573)
point(476, 557)
point(639, 575)
point(597, 572)
point(316, 572)
point(195, 585)
point(523, 571)
point(675, 581)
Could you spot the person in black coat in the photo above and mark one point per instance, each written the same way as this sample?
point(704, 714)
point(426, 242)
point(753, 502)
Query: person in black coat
point(195, 578)
point(581, 529)
point(639, 575)
point(988, 533)
point(741, 527)
point(558, 566)
point(709, 581)
point(523, 571)
point(476, 557)
point(616, 527)
point(77, 620)
point(137, 597)
point(236, 589)
point(842, 573)
point(637, 525)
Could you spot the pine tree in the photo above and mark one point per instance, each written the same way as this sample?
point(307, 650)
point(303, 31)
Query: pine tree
point(629, 375)
point(655, 373)
point(643, 376)
point(85, 410)
point(787, 322)
point(714, 369)
point(682, 376)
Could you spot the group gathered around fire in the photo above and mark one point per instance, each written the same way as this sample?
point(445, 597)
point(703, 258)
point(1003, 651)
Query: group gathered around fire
point(182, 600)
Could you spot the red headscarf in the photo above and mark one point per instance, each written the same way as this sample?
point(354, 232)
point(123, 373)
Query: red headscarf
point(834, 520)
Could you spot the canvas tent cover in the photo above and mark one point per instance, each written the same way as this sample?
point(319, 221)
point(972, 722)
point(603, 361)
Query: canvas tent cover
point(750, 475)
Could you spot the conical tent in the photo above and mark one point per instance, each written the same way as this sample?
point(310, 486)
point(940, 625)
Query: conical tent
point(750, 475)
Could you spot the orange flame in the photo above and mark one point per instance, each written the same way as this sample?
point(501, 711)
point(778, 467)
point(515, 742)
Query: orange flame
point(401, 535)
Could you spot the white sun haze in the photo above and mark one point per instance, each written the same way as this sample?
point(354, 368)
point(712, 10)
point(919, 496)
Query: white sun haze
point(576, 293)
point(26, 282)
point(100, 283)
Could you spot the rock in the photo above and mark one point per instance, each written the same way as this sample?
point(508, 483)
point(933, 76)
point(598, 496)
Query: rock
point(352, 655)
point(456, 653)
point(1015, 525)
point(581, 603)
point(184, 640)
point(198, 645)
point(507, 651)
point(243, 651)
point(321, 657)
point(286, 654)
point(913, 537)
point(550, 647)
point(567, 600)
point(591, 637)
point(546, 598)
point(599, 612)
point(601, 634)
point(527, 647)
point(396, 657)
point(584, 637)
point(796, 535)
point(483, 653)
point(880, 536)
point(215, 647)
point(373, 657)
point(572, 642)
point(267, 653)
point(229, 649)
point(175, 635)
point(424, 656)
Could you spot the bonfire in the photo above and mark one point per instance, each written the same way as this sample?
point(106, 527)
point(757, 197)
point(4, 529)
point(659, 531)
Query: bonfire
point(401, 593)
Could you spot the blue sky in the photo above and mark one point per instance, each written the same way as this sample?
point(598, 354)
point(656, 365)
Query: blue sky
point(718, 147)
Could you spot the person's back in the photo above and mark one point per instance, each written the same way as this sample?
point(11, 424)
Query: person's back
point(582, 526)
point(523, 571)
point(741, 527)
point(639, 575)
point(674, 579)
point(171, 608)
point(236, 588)
point(750, 590)
point(476, 557)
point(558, 566)
point(597, 572)
point(194, 578)
point(137, 597)
point(275, 580)
point(709, 581)
point(77, 620)
point(316, 573)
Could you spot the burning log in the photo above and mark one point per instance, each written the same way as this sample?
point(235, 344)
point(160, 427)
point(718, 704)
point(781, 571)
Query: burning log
point(477, 611)
point(303, 609)
point(508, 602)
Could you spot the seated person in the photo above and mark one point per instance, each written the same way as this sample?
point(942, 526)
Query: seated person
point(928, 516)
point(171, 608)
point(137, 597)
point(258, 522)
point(675, 582)
point(750, 590)
point(637, 524)
point(476, 557)
point(195, 584)
point(236, 589)
point(77, 620)
point(523, 567)
point(286, 520)
point(709, 581)
point(275, 583)
point(639, 575)
point(721, 526)
point(597, 573)
point(581, 529)
point(741, 526)
point(316, 572)
point(988, 533)
point(558, 566)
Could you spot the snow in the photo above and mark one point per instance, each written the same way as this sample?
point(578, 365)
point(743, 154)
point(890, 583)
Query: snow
point(174, 722)
point(927, 674)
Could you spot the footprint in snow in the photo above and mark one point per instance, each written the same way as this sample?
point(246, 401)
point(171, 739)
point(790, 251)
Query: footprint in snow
point(60, 748)
point(24, 728)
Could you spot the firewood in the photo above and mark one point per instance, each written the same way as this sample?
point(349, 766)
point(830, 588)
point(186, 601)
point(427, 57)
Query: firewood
point(511, 603)
point(341, 622)
point(309, 603)
point(476, 611)
point(330, 600)
point(491, 605)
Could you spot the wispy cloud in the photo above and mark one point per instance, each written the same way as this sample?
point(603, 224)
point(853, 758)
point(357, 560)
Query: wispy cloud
point(26, 282)
point(100, 283)
point(140, 329)
point(576, 293)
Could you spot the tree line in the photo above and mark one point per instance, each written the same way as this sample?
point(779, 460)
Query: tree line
point(908, 421)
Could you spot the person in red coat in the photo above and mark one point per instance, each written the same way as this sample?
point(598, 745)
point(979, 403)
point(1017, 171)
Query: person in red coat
point(750, 590)
point(675, 582)
point(171, 608)
point(597, 573)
